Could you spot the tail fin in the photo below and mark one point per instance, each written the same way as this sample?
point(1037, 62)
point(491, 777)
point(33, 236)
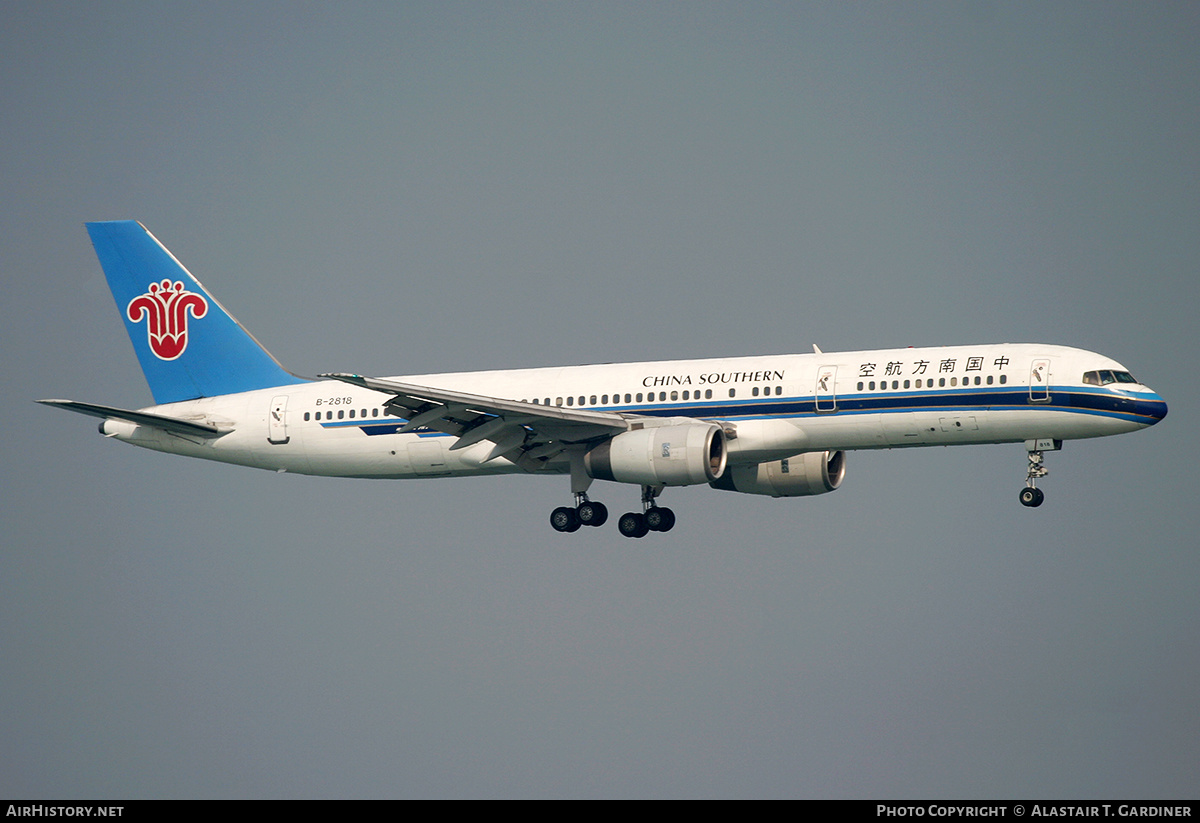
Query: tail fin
point(188, 345)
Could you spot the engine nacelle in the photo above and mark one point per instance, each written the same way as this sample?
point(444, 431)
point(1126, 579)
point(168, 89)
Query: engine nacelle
point(796, 476)
point(676, 454)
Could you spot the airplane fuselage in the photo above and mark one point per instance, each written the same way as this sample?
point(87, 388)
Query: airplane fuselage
point(774, 405)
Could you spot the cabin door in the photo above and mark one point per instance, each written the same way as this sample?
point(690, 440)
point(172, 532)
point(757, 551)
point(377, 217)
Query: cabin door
point(1039, 381)
point(277, 421)
point(826, 389)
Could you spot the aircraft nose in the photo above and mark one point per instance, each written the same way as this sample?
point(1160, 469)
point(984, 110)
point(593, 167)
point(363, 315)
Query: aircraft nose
point(1153, 407)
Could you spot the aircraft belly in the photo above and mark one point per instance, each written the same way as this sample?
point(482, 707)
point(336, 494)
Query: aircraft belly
point(936, 428)
point(347, 452)
point(846, 431)
point(904, 428)
point(1009, 425)
point(428, 458)
point(762, 440)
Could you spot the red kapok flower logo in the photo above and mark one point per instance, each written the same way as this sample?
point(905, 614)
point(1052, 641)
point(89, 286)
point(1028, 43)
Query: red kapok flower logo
point(165, 308)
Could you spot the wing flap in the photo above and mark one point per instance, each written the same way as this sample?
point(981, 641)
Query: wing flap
point(415, 397)
point(542, 431)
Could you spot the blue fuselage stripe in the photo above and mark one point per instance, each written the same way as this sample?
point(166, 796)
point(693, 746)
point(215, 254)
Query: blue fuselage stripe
point(1129, 407)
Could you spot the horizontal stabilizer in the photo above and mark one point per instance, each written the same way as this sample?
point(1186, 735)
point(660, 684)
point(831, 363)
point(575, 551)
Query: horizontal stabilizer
point(157, 421)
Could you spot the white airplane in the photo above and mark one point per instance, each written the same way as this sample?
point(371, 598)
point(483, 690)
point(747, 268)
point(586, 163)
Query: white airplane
point(776, 425)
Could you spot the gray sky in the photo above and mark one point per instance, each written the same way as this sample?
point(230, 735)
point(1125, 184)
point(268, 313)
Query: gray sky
point(406, 188)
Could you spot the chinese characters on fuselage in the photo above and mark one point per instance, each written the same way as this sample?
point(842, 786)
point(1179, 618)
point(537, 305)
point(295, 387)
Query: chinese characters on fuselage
point(946, 366)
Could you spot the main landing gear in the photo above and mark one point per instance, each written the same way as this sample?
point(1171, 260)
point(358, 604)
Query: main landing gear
point(1031, 495)
point(652, 518)
point(585, 513)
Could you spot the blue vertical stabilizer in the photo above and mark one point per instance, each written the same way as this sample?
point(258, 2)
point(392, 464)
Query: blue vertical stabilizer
point(188, 345)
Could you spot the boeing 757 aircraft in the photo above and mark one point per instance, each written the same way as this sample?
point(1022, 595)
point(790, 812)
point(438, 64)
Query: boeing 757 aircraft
point(777, 425)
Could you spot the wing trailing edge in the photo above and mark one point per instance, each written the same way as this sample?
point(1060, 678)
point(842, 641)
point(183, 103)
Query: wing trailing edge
point(539, 431)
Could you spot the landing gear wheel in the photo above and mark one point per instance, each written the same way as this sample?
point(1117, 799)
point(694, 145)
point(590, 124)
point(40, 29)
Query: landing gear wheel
point(633, 524)
point(1032, 497)
point(592, 513)
point(564, 519)
point(660, 519)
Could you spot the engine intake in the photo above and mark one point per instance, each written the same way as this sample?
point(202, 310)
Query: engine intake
point(797, 476)
point(677, 454)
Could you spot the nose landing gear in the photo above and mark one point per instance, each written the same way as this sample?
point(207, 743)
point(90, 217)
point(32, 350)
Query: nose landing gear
point(1031, 496)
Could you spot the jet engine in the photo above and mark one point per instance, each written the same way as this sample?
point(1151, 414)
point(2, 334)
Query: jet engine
point(796, 476)
point(673, 454)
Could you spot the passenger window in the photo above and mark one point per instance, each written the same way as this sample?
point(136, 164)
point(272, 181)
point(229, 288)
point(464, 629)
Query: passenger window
point(778, 390)
point(639, 397)
point(1003, 378)
point(558, 401)
point(860, 385)
point(733, 392)
point(306, 417)
point(686, 394)
point(906, 383)
point(708, 394)
point(604, 400)
point(989, 380)
point(628, 400)
point(754, 391)
point(674, 395)
point(341, 414)
point(591, 402)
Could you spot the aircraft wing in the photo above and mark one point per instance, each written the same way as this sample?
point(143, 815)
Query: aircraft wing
point(540, 432)
point(175, 425)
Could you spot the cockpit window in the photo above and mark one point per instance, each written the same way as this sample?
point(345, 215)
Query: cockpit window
point(1105, 376)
